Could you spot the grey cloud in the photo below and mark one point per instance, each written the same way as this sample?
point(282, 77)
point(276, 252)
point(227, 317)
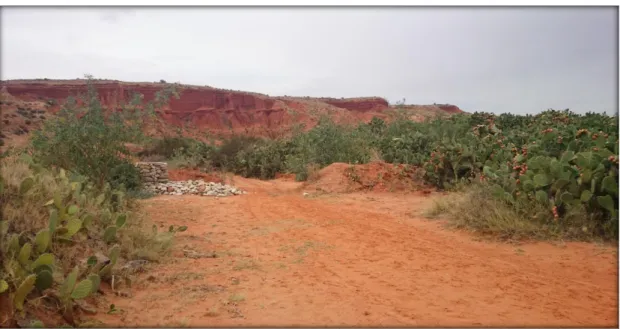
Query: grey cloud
point(520, 60)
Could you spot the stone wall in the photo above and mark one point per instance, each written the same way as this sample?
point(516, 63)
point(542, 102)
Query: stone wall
point(153, 172)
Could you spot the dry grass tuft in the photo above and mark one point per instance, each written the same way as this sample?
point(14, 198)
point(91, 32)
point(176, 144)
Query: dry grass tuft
point(375, 156)
point(477, 210)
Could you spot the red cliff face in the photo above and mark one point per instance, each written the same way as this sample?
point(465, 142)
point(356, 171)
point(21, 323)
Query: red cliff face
point(208, 108)
point(450, 108)
point(203, 107)
point(359, 104)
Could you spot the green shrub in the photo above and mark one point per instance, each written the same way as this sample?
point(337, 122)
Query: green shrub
point(262, 160)
point(87, 139)
point(125, 176)
point(325, 144)
point(226, 154)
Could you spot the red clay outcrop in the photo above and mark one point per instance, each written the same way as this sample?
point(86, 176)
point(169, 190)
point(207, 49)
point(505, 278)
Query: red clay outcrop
point(358, 104)
point(208, 108)
point(450, 108)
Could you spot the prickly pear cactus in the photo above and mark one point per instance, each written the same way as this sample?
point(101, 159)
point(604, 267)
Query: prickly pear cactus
point(44, 280)
point(26, 185)
point(109, 235)
point(68, 284)
point(42, 240)
point(96, 281)
point(114, 253)
point(82, 290)
point(23, 290)
point(24, 254)
point(73, 226)
point(120, 220)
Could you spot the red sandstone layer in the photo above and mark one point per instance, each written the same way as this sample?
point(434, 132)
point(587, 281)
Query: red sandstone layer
point(208, 108)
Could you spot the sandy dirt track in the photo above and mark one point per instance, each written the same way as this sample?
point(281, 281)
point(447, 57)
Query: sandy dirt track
point(360, 259)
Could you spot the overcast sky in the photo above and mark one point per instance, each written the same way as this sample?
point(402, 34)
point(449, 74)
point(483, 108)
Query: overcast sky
point(518, 60)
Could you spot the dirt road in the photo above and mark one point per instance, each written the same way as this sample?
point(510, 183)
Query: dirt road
point(356, 260)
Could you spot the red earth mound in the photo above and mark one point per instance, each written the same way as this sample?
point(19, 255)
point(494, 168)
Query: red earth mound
point(375, 176)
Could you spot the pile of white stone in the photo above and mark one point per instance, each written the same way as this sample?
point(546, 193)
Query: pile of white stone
point(152, 172)
point(196, 187)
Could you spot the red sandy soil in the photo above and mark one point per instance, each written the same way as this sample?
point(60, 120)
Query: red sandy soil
point(192, 174)
point(358, 259)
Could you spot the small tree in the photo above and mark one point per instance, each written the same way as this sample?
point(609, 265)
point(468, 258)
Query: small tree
point(89, 140)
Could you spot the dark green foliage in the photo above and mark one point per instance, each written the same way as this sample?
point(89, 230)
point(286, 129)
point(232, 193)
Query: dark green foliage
point(226, 154)
point(125, 175)
point(328, 143)
point(262, 159)
point(561, 160)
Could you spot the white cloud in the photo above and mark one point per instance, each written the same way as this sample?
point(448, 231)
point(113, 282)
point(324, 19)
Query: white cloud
point(519, 60)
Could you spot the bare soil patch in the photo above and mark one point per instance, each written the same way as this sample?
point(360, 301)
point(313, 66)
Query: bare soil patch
point(358, 259)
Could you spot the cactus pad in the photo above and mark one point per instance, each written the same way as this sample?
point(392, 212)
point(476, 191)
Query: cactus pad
point(68, 284)
point(73, 226)
point(26, 185)
point(96, 280)
point(110, 234)
point(82, 289)
point(24, 289)
point(120, 220)
point(115, 251)
point(42, 240)
point(53, 220)
point(86, 220)
point(44, 280)
point(24, 254)
point(73, 209)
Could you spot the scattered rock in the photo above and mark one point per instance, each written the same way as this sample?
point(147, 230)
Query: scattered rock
point(153, 172)
point(195, 187)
